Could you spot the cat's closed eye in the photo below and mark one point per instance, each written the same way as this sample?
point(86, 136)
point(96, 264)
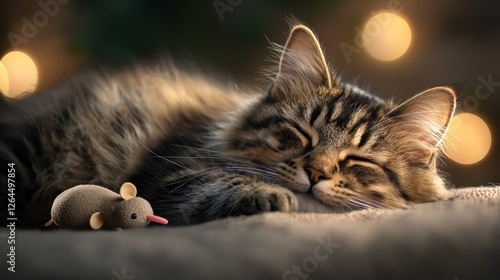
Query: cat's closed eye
point(356, 158)
point(306, 139)
point(292, 131)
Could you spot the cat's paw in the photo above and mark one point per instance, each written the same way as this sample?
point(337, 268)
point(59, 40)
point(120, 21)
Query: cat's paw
point(266, 198)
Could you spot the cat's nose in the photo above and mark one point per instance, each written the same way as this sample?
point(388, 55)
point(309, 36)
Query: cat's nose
point(315, 174)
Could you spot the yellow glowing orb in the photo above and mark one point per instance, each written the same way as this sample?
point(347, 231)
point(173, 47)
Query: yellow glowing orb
point(22, 73)
point(4, 80)
point(469, 139)
point(386, 36)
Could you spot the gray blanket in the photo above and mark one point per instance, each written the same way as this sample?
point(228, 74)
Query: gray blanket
point(454, 239)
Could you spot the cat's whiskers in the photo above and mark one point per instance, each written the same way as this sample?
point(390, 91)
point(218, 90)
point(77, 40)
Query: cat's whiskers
point(366, 202)
point(159, 156)
point(219, 156)
point(360, 203)
point(263, 171)
point(183, 184)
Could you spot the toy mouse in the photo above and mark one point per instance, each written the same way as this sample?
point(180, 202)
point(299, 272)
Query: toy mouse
point(91, 206)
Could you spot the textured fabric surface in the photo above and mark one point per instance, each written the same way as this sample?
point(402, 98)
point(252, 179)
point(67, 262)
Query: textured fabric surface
point(454, 239)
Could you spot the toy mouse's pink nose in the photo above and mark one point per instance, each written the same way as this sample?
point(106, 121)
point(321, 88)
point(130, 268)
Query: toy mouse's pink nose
point(157, 219)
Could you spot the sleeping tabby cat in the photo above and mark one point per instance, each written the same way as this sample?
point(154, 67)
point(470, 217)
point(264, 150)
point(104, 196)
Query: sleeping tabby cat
point(198, 150)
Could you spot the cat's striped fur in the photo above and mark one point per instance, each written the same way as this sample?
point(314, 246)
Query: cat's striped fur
point(198, 150)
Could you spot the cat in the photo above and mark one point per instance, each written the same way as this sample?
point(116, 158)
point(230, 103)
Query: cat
point(199, 150)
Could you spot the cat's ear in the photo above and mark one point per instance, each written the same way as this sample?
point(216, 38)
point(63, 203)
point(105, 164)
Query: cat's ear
point(422, 121)
point(302, 60)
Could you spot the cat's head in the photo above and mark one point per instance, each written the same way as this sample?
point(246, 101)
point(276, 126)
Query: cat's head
point(315, 134)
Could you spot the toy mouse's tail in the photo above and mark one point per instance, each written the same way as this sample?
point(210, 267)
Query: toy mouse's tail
point(157, 219)
point(49, 222)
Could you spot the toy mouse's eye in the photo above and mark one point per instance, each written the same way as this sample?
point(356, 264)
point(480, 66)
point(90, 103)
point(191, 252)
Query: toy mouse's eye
point(133, 216)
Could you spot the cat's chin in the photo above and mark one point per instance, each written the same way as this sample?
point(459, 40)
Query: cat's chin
point(308, 203)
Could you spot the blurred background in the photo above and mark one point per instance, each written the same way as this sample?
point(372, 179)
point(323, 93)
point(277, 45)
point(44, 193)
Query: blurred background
point(395, 48)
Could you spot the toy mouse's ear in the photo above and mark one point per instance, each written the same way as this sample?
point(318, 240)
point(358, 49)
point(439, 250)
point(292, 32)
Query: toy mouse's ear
point(96, 220)
point(128, 191)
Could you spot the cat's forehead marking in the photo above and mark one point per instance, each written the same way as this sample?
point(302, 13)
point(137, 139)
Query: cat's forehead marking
point(314, 135)
point(335, 111)
point(355, 117)
point(356, 140)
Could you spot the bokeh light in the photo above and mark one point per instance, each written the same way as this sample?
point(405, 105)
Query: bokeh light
point(468, 138)
point(386, 36)
point(22, 73)
point(4, 79)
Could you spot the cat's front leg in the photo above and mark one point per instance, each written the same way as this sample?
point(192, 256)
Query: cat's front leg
point(234, 195)
point(262, 197)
